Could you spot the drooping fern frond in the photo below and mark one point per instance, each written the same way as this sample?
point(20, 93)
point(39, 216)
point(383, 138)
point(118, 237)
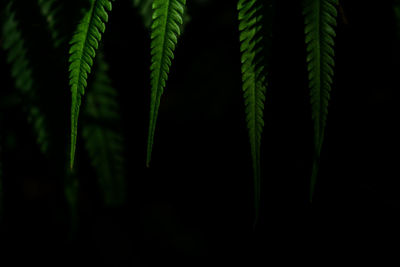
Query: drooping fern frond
point(21, 72)
point(165, 30)
point(320, 22)
point(84, 44)
point(103, 141)
point(254, 80)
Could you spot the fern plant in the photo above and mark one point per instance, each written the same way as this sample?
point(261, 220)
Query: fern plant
point(84, 44)
point(28, 86)
point(165, 30)
point(320, 23)
point(101, 129)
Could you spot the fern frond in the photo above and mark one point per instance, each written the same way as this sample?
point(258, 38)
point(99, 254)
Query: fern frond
point(254, 80)
point(103, 141)
point(84, 44)
point(21, 72)
point(320, 22)
point(165, 30)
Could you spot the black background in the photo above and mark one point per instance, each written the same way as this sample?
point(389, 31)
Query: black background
point(194, 205)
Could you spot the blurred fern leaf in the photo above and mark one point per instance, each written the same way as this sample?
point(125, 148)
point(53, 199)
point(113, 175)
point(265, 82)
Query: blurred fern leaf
point(50, 10)
point(103, 141)
point(145, 11)
point(84, 44)
point(165, 30)
point(320, 22)
point(22, 74)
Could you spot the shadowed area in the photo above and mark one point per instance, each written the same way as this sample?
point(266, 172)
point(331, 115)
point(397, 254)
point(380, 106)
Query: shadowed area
point(194, 205)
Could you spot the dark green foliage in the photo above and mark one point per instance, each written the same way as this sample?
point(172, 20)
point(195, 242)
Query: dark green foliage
point(165, 30)
point(254, 80)
point(109, 151)
point(58, 15)
point(14, 44)
point(84, 44)
point(103, 139)
point(51, 10)
point(320, 22)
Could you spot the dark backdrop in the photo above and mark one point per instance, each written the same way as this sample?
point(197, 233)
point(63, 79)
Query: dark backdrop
point(194, 204)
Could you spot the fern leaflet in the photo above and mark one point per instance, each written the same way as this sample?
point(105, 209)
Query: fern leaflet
point(17, 57)
point(165, 29)
point(254, 81)
point(84, 44)
point(103, 142)
point(320, 22)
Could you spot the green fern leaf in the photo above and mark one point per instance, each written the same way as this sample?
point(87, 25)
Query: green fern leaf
point(103, 142)
point(167, 20)
point(21, 72)
point(254, 80)
point(84, 44)
point(320, 22)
